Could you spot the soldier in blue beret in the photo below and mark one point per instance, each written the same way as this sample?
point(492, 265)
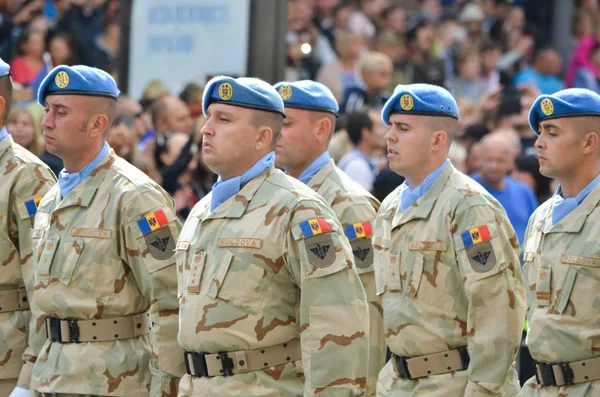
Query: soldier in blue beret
point(104, 240)
point(562, 255)
point(446, 263)
point(311, 111)
point(268, 283)
point(23, 182)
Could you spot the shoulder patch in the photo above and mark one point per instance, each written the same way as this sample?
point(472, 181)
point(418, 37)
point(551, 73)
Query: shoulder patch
point(363, 252)
point(32, 205)
point(358, 230)
point(320, 250)
point(475, 236)
point(160, 243)
point(481, 257)
point(314, 227)
point(152, 222)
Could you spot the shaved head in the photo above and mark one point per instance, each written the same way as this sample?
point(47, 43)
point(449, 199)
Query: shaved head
point(6, 90)
point(447, 124)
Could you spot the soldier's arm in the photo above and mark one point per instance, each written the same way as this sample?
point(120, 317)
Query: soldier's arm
point(334, 322)
point(487, 253)
point(37, 183)
point(150, 255)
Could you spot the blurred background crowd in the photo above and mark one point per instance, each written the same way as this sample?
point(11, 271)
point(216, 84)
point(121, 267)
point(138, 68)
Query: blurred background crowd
point(494, 56)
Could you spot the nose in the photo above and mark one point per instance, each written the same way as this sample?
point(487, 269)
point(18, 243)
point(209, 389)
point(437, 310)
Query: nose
point(539, 142)
point(47, 121)
point(207, 128)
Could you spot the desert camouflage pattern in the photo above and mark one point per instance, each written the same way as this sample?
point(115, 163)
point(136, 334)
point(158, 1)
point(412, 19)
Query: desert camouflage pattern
point(352, 204)
point(92, 262)
point(439, 294)
point(23, 178)
point(562, 274)
point(249, 277)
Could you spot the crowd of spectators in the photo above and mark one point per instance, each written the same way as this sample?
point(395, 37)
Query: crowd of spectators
point(492, 55)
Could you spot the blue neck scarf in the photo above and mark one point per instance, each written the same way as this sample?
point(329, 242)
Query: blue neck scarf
point(410, 195)
point(3, 133)
point(67, 182)
point(314, 167)
point(561, 207)
point(223, 190)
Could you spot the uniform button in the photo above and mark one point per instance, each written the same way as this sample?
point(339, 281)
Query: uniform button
point(242, 362)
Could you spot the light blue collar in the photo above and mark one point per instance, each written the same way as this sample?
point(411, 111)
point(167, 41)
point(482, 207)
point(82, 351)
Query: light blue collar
point(68, 182)
point(3, 133)
point(314, 167)
point(561, 207)
point(223, 190)
point(410, 195)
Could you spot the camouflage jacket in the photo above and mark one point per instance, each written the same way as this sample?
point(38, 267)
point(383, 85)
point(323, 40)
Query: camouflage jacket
point(448, 273)
point(267, 266)
point(24, 180)
point(562, 272)
point(94, 260)
point(356, 208)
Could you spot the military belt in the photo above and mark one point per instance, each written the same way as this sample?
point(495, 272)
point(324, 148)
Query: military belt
point(237, 362)
point(561, 374)
point(13, 300)
point(431, 364)
point(106, 329)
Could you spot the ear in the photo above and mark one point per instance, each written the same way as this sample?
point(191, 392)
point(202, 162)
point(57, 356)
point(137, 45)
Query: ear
point(439, 141)
point(3, 109)
point(323, 127)
point(264, 139)
point(98, 125)
point(590, 142)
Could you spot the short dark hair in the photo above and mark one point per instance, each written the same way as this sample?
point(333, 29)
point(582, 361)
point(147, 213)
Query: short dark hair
point(270, 119)
point(6, 91)
point(355, 123)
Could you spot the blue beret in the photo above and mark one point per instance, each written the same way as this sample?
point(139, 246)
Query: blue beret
point(422, 99)
point(571, 102)
point(244, 92)
point(77, 80)
point(4, 68)
point(307, 95)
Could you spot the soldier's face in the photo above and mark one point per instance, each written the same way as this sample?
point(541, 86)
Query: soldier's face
point(558, 148)
point(296, 143)
point(64, 125)
point(228, 140)
point(407, 143)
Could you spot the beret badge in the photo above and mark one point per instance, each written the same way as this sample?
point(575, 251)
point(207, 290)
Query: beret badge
point(225, 91)
point(61, 79)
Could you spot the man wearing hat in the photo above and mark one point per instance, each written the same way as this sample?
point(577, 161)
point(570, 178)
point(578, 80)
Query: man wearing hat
point(446, 263)
point(271, 303)
point(562, 255)
point(103, 242)
point(311, 111)
point(24, 180)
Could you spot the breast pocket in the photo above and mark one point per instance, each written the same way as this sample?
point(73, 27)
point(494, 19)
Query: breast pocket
point(582, 275)
point(240, 282)
point(431, 280)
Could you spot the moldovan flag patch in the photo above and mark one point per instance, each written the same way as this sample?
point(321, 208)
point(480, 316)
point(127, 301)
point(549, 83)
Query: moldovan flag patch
point(475, 235)
point(32, 205)
point(358, 230)
point(314, 227)
point(152, 221)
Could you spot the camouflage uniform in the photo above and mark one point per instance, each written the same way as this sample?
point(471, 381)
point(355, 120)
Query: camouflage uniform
point(440, 292)
point(562, 271)
point(251, 277)
point(24, 179)
point(94, 261)
point(352, 205)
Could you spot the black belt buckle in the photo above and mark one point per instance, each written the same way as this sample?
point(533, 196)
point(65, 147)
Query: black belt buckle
point(197, 362)
point(465, 359)
point(567, 373)
point(547, 375)
point(226, 363)
point(53, 329)
point(401, 366)
point(73, 331)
